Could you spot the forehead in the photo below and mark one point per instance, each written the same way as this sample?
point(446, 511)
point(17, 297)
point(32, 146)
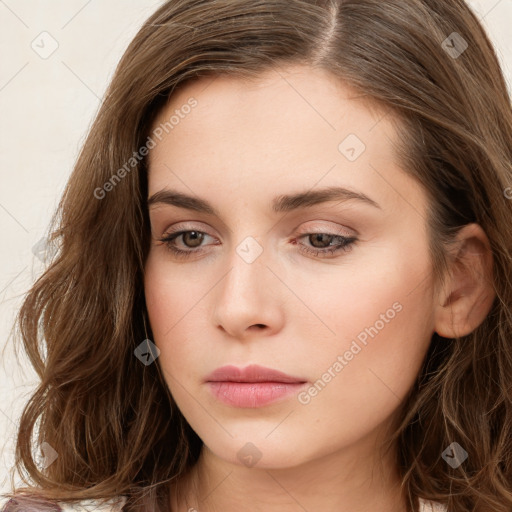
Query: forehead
point(283, 95)
point(295, 125)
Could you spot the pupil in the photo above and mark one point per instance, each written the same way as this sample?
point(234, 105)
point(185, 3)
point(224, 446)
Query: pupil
point(318, 237)
point(194, 236)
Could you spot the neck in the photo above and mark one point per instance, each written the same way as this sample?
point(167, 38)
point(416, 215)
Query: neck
point(336, 482)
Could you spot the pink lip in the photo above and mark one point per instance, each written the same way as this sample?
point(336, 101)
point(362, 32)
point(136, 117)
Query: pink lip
point(252, 386)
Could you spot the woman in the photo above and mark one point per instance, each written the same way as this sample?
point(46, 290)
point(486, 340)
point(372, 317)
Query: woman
point(283, 278)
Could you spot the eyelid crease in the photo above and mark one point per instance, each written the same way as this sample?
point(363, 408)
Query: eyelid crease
point(192, 225)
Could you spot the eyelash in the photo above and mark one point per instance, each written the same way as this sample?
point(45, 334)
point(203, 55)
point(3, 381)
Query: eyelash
point(344, 246)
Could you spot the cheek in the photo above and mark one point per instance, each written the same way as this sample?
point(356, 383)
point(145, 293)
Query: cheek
point(172, 302)
point(382, 318)
point(381, 287)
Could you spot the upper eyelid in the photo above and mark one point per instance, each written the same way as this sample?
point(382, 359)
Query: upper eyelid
point(171, 230)
point(154, 209)
point(305, 231)
point(193, 225)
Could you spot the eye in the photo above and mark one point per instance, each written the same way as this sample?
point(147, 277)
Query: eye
point(190, 238)
point(322, 243)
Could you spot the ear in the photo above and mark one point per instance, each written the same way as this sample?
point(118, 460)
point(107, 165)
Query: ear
point(468, 292)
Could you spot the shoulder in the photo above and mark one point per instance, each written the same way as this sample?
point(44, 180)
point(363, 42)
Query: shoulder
point(431, 506)
point(112, 505)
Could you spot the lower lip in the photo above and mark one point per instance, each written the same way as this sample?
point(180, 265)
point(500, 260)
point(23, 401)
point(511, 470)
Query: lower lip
point(253, 394)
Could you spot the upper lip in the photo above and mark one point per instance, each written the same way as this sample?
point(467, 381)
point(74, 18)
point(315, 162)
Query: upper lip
point(251, 373)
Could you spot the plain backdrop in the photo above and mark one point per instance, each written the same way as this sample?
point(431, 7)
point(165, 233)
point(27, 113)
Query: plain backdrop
point(57, 57)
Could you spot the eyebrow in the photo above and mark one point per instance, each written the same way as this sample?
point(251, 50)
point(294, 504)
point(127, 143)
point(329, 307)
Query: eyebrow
point(282, 203)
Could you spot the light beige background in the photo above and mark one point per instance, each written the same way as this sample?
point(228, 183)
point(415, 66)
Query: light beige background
point(47, 104)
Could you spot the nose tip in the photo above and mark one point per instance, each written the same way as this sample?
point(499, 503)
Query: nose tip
point(247, 294)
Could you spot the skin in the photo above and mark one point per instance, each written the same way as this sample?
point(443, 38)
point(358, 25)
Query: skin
point(242, 145)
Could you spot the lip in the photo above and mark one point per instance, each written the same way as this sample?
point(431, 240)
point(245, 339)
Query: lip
point(252, 373)
point(252, 386)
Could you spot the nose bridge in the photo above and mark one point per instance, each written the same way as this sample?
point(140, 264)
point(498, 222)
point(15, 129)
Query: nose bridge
point(248, 291)
point(248, 271)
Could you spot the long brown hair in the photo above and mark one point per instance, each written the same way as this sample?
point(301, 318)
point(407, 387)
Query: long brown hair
point(111, 419)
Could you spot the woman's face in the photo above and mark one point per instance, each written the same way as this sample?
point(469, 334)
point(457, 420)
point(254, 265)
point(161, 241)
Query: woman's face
point(256, 283)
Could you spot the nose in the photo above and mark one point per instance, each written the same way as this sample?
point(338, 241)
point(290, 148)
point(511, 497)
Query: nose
point(249, 298)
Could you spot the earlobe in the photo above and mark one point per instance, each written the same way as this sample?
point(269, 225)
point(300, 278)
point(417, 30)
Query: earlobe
point(468, 294)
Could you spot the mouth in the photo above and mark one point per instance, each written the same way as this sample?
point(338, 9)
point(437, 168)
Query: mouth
point(252, 386)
